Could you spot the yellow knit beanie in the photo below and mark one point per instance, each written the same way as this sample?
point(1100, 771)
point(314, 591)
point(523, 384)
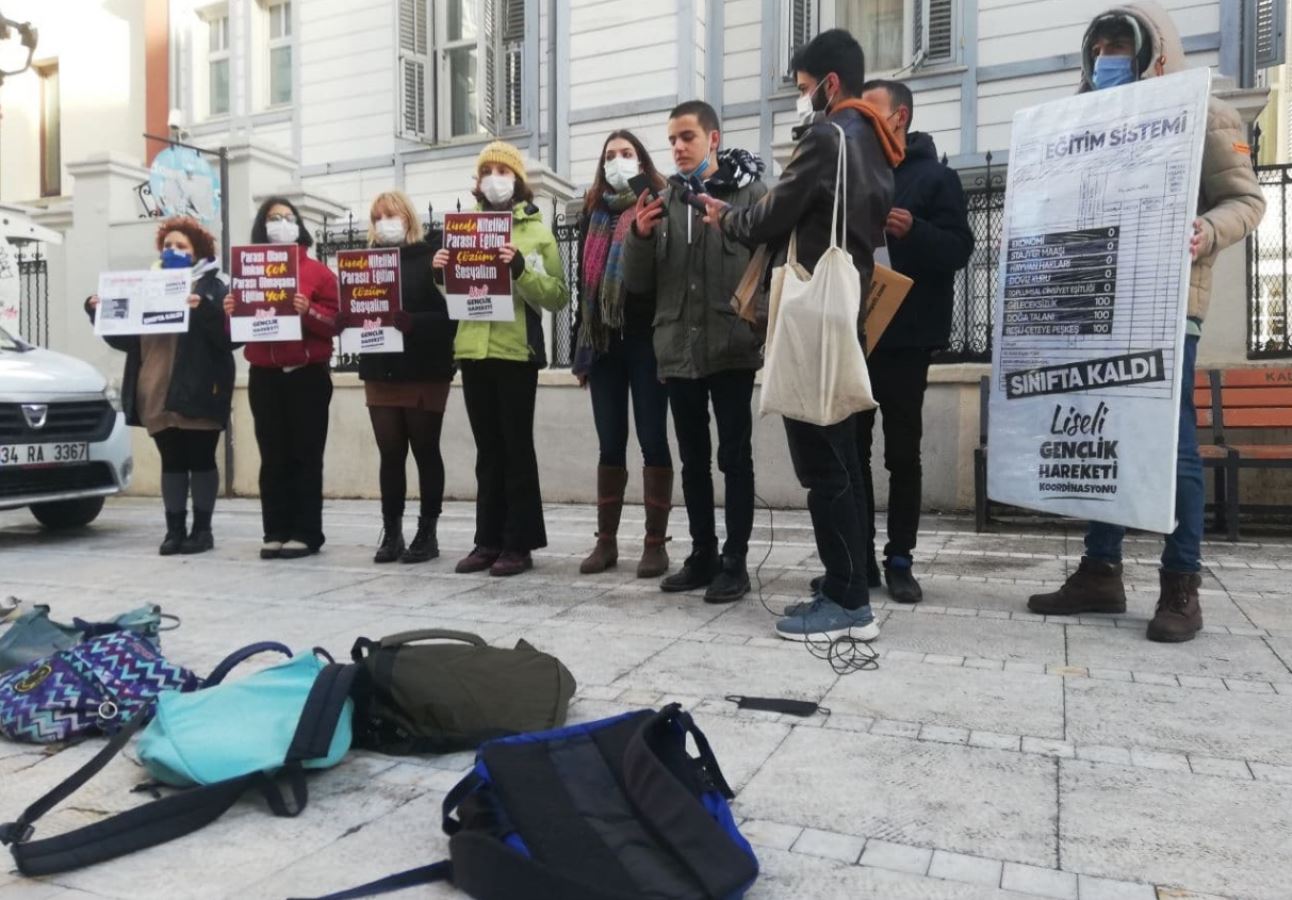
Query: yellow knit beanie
point(504, 153)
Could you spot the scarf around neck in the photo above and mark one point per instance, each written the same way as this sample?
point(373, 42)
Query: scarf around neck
point(603, 282)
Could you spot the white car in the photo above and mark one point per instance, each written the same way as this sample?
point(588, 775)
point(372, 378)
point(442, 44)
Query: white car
point(64, 444)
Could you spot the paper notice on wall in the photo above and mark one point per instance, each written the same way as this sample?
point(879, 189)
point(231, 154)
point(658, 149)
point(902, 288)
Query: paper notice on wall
point(147, 301)
point(10, 289)
point(1091, 301)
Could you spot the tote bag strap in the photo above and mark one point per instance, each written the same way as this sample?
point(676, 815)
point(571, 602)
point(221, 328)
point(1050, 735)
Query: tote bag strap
point(840, 212)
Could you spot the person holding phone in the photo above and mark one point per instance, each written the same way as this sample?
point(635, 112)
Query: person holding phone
point(615, 357)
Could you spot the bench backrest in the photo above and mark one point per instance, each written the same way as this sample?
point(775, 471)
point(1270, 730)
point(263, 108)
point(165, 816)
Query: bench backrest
point(1243, 398)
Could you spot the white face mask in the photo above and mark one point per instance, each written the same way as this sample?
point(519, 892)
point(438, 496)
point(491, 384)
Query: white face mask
point(619, 170)
point(390, 230)
point(803, 106)
point(281, 231)
point(498, 189)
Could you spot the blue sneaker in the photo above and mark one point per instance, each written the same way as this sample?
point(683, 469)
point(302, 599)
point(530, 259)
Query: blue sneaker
point(825, 620)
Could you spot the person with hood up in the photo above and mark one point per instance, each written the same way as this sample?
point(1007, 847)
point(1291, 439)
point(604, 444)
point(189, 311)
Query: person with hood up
point(180, 387)
point(929, 240)
point(706, 353)
point(1121, 46)
point(830, 72)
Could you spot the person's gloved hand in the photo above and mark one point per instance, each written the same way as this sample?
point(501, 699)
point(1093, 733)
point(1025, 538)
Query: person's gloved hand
point(402, 321)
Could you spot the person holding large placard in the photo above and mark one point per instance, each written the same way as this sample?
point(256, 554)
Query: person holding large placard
point(407, 392)
point(500, 363)
point(1121, 46)
point(179, 386)
point(290, 389)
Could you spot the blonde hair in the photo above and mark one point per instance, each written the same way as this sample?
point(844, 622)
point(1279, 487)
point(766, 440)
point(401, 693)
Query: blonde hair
point(398, 203)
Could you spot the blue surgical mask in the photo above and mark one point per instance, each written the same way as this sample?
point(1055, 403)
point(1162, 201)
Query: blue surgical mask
point(698, 172)
point(1111, 71)
point(173, 259)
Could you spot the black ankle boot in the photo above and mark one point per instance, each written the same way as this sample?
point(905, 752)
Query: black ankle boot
point(175, 533)
point(200, 539)
point(424, 545)
point(392, 540)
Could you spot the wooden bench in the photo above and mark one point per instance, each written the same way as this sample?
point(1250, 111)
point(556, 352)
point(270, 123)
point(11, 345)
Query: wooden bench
point(1253, 400)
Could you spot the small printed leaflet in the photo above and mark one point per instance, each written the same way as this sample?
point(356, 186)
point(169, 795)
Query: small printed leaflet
point(477, 283)
point(149, 301)
point(264, 283)
point(370, 291)
point(1091, 299)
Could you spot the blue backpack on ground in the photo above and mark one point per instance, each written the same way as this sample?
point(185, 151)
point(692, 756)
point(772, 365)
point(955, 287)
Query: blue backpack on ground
point(608, 810)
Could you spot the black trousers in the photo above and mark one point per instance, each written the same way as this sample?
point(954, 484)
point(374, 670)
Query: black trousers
point(500, 397)
point(187, 450)
point(290, 410)
point(899, 379)
point(398, 429)
point(731, 393)
point(826, 463)
point(629, 370)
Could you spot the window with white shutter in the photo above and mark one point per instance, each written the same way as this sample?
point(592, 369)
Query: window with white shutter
point(897, 35)
point(1271, 41)
point(414, 68)
point(800, 23)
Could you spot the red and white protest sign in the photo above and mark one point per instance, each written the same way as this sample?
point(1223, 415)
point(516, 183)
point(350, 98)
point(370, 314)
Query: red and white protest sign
point(370, 297)
point(477, 283)
point(264, 283)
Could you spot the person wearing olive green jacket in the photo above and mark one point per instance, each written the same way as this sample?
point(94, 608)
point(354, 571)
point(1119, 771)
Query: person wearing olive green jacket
point(500, 363)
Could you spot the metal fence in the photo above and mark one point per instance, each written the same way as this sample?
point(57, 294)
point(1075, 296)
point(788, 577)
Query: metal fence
point(33, 303)
point(1269, 322)
point(975, 286)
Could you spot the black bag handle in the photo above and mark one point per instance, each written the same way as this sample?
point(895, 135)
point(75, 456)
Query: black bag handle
point(428, 634)
point(237, 657)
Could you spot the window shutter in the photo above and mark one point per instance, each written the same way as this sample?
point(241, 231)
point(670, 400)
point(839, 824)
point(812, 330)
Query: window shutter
point(919, 37)
point(414, 61)
point(800, 28)
point(1271, 42)
point(487, 77)
point(513, 54)
point(933, 31)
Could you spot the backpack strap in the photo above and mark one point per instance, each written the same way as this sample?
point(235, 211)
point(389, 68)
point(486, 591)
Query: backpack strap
point(182, 813)
point(440, 871)
point(237, 657)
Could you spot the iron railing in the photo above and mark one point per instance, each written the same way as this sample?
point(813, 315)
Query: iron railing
point(1269, 320)
point(975, 285)
point(33, 303)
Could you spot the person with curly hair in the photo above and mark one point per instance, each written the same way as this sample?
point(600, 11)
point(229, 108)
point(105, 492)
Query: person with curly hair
point(180, 387)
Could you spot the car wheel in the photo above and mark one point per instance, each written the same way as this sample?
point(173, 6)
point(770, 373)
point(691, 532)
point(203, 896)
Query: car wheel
point(64, 514)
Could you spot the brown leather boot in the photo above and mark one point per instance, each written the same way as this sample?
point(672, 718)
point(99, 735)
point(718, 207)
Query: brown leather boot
point(1096, 587)
point(657, 492)
point(611, 481)
point(1179, 614)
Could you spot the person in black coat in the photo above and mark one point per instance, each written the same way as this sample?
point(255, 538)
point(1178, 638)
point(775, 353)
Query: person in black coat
point(407, 392)
point(180, 387)
point(929, 240)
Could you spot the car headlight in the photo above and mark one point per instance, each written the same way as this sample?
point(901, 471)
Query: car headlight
point(113, 396)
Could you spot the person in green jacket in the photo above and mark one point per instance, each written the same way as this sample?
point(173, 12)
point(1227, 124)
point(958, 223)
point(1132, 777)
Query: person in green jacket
point(500, 363)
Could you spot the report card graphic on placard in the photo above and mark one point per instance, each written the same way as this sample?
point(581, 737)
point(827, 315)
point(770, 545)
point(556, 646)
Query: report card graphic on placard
point(264, 285)
point(477, 283)
point(1091, 301)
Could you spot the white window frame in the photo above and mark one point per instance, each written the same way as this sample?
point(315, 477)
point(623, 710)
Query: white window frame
point(824, 15)
point(213, 20)
point(440, 48)
point(286, 40)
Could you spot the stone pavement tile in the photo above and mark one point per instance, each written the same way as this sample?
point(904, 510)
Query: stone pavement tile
point(749, 618)
point(1118, 756)
point(1166, 762)
point(1090, 888)
point(1209, 834)
point(995, 741)
point(794, 875)
point(1265, 772)
point(977, 699)
point(897, 857)
point(1044, 747)
point(1213, 723)
point(1225, 768)
point(963, 799)
point(1274, 613)
point(969, 869)
point(1247, 581)
point(1012, 641)
point(782, 671)
point(1043, 882)
point(1207, 654)
point(593, 656)
point(843, 847)
point(649, 613)
point(772, 835)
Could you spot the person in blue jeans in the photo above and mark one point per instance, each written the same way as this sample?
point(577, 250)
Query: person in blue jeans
point(1122, 46)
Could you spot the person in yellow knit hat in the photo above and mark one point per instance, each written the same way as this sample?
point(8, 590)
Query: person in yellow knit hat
point(500, 363)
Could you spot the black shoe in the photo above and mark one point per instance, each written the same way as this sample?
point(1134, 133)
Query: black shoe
point(902, 585)
point(176, 533)
point(199, 541)
point(391, 545)
point(699, 570)
point(872, 578)
point(424, 545)
point(731, 583)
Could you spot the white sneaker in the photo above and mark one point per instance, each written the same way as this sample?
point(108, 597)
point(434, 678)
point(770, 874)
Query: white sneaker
point(295, 550)
point(271, 549)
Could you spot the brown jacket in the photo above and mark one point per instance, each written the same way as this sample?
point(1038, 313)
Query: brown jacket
point(1231, 203)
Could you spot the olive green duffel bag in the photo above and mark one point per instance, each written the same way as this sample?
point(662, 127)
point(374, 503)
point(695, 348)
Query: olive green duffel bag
point(456, 693)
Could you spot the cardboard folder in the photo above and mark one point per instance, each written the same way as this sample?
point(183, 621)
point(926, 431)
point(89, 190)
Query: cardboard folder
point(888, 289)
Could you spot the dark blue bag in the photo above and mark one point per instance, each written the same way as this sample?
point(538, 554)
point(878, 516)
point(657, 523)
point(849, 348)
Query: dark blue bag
point(609, 810)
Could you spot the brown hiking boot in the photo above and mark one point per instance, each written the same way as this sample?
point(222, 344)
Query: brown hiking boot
point(657, 492)
point(611, 481)
point(477, 560)
point(1096, 587)
point(1179, 614)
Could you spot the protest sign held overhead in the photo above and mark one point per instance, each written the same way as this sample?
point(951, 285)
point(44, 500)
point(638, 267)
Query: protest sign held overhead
point(149, 301)
point(477, 283)
point(370, 295)
point(264, 283)
point(1091, 301)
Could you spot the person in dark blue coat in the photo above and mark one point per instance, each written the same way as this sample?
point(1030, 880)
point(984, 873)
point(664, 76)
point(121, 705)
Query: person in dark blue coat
point(929, 240)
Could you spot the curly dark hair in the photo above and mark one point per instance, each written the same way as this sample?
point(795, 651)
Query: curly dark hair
point(202, 240)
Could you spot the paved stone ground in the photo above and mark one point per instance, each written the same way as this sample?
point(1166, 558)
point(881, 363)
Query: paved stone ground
point(993, 754)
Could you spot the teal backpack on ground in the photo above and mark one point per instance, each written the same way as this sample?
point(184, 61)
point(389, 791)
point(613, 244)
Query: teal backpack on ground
point(34, 635)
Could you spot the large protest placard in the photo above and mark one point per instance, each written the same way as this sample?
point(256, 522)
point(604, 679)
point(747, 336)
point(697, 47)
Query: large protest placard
point(264, 283)
point(1091, 301)
point(148, 301)
point(477, 283)
point(370, 293)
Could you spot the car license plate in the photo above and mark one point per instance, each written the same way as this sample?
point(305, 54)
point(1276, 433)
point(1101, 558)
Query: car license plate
point(43, 454)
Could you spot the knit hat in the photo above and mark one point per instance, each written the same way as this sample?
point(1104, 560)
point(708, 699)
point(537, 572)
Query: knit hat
point(504, 153)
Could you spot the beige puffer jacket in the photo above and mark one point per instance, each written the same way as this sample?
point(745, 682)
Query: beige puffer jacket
point(1231, 203)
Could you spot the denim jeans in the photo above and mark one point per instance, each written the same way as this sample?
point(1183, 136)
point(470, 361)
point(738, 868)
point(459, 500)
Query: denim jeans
point(628, 369)
point(1183, 552)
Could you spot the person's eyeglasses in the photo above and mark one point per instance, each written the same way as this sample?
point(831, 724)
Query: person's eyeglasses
point(282, 217)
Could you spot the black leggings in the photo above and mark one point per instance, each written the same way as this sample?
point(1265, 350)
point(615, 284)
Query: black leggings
point(185, 450)
point(397, 429)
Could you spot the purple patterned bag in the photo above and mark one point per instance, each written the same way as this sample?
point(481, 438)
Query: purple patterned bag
point(96, 686)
